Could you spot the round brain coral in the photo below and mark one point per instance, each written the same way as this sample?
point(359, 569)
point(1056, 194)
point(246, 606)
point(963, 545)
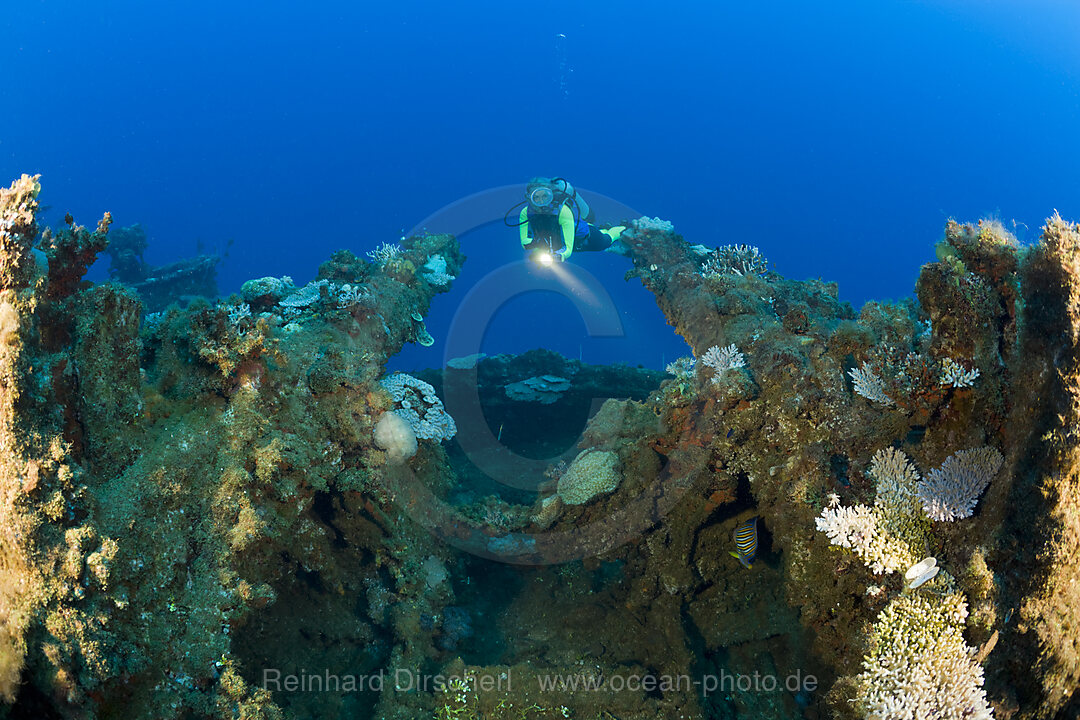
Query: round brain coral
point(593, 472)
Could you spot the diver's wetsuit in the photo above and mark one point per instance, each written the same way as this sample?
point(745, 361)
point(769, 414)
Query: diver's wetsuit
point(543, 231)
point(596, 241)
point(561, 233)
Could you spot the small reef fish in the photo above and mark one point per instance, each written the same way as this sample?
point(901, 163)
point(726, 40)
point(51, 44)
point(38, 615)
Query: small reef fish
point(746, 542)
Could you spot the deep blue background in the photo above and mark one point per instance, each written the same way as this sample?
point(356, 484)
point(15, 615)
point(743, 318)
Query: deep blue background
point(837, 136)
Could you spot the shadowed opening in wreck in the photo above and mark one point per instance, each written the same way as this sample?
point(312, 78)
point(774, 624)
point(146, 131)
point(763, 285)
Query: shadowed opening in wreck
point(536, 406)
point(522, 613)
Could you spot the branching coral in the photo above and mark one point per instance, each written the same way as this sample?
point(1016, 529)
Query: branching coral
point(914, 382)
point(953, 374)
point(683, 368)
point(851, 527)
point(684, 371)
point(385, 253)
point(919, 666)
point(740, 260)
point(891, 535)
point(350, 295)
point(870, 385)
point(720, 360)
point(951, 491)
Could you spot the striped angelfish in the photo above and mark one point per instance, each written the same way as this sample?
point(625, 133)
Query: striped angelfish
point(746, 542)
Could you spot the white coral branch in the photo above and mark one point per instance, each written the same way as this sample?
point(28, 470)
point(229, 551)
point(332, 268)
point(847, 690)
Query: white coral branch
point(953, 374)
point(952, 491)
point(720, 360)
point(870, 385)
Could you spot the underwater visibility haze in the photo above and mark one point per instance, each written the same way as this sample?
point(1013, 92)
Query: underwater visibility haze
point(511, 361)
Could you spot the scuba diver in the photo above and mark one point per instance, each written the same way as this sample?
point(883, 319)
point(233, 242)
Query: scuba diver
point(555, 221)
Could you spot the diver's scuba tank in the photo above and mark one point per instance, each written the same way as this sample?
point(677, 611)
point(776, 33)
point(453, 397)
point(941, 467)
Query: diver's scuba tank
point(570, 196)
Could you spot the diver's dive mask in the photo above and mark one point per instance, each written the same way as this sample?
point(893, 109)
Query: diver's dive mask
point(541, 197)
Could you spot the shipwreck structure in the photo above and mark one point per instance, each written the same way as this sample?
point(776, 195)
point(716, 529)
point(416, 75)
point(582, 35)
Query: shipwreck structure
point(231, 510)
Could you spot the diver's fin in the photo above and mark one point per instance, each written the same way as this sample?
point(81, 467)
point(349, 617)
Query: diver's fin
point(618, 247)
point(614, 232)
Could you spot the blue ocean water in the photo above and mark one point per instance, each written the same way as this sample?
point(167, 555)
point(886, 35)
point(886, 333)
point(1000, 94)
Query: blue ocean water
point(837, 137)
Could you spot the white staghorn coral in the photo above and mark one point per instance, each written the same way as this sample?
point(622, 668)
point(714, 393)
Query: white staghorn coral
point(870, 385)
point(891, 535)
point(895, 481)
point(720, 360)
point(952, 491)
point(738, 260)
point(918, 666)
point(682, 368)
point(350, 295)
point(861, 529)
point(238, 314)
point(850, 527)
point(953, 374)
point(385, 253)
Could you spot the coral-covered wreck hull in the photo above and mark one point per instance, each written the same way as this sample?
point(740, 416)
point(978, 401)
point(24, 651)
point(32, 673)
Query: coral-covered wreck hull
point(198, 517)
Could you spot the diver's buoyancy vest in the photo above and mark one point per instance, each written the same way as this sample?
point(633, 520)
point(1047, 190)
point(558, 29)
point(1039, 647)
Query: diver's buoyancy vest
point(545, 226)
